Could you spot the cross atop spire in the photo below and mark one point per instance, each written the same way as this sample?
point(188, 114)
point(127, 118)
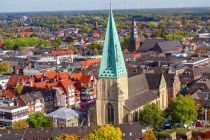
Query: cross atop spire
point(112, 63)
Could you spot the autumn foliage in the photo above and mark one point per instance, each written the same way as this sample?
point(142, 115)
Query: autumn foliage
point(67, 137)
point(149, 135)
point(107, 132)
point(20, 124)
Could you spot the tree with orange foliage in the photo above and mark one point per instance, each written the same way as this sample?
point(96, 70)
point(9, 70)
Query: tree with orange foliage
point(149, 135)
point(19, 89)
point(65, 136)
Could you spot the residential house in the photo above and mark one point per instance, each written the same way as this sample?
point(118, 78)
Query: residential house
point(196, 62)
point(149, 44)
point(3, 82)
point(167, 46)
point(34, 105)
point(38, 95)
point(86, 84)
point(72, 96)
point(12, 114)
point(7, 98)
point(192, 74)
point(65, 117)
point(61, 55)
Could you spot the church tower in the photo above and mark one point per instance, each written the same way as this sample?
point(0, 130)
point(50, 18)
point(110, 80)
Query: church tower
point(112, 85)
point(134, 39)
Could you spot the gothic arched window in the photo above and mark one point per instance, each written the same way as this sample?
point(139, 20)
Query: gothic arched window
point(109, 114)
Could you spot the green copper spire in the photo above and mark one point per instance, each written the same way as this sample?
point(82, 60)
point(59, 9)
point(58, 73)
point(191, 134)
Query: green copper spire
point(112, 63)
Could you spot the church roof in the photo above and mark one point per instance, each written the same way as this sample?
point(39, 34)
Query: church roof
point(140, 99)
point(112, 63)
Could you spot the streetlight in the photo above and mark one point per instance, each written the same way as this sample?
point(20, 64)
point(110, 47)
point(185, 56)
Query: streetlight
point(206, 121)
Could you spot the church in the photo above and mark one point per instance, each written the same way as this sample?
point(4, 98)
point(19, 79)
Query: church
point(120, 97)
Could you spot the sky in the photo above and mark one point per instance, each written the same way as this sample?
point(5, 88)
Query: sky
point(63, 5)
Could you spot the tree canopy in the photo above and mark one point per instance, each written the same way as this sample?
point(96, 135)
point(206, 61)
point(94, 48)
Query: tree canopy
point(18, 43)
point(5, 68)
point(19, 89)
point(57, 41)
point(20, 124)
point(39, 120)
point(149, 135)
point(152, 116)
point(107, 132)
point(183, 110)
point(96, 47)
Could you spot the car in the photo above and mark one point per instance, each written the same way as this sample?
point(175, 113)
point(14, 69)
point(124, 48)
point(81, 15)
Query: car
point(199, 123)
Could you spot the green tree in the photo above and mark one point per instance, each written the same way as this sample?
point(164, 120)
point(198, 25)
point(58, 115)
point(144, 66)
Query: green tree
point(152, 116)
point(152, 24)
point(169, 37)
point(149, 135)
point(67, 137)
point(125, 44)
point(183, 110)
point(96, 47)
point(107, 132)
point(5, 68)
point(18, 43)
point(57, 41)
point(200, 27)
point(71, 46)
point(39, 120)
point(20, 124)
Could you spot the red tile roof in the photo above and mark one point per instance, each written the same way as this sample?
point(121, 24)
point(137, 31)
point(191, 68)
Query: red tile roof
point(85, 45)
point(62, 52)
point(83, 78)
point(136, 55)
point(51, 75)
point(50, 85)
point(24, 79)
point(40, 84)
point(96, 34)
point(64, 83)
point(13, 80)
point(26, 33)
point(38, 76)
point(9, 93)
point(77, 76)
point(89, 62)
point(64, 75)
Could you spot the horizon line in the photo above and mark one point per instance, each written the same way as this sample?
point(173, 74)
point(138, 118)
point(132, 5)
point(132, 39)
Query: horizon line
point(116, 9)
